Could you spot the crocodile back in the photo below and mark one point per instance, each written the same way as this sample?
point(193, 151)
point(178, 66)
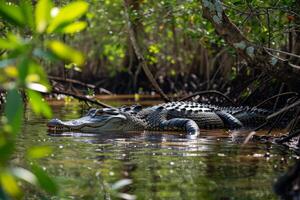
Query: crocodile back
point(202, 114)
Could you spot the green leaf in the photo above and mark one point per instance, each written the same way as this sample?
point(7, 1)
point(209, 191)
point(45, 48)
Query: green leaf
point(37, 87)
point(43, 14)
point(65, 52)
point(74, 27)
point(6, 44)
point(36, 74)
point(14, 110)
point(32, 75)
point(121, 183)
point(23, 67)
point(73, 66)
point(11, 42)
point(44, 180)
point(12, 13)
point(38, 105)
point(68, 14)
point(10, 185)
point(25, 175)
point(37, 152)
point(6, 149)
point(27, 11)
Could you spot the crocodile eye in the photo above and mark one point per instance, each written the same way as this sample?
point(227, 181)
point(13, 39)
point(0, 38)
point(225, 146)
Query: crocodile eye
point(110, 111)
point(99, 112)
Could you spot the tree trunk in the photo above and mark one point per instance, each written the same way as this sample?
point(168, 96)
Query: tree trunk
point(130, 61)
point(256, 56)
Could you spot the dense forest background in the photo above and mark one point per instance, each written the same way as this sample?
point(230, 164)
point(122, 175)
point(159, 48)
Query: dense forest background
point(181, 47)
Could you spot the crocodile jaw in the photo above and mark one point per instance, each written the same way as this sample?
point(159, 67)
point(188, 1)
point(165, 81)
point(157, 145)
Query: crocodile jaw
point(88, 124)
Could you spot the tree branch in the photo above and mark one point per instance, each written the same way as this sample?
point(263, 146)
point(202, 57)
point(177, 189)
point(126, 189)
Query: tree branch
point(140, 56)
point(256, 56)
point(81, 98)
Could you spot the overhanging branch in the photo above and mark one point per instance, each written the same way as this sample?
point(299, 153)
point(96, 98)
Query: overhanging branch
point(256, 56)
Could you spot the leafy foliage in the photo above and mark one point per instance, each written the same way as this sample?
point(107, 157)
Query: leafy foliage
point(23, 51)
point(176, 40)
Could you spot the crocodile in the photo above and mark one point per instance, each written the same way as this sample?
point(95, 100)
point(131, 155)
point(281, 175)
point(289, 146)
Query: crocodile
point(174, 116)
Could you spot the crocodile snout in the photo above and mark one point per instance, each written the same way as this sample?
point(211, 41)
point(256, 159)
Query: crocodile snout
point(55, 125)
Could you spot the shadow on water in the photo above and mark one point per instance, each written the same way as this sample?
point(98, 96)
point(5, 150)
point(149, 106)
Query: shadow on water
point(287, 186)
point(157, 165)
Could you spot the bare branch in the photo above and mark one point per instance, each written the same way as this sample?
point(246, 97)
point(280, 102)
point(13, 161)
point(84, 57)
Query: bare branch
point(140, 56)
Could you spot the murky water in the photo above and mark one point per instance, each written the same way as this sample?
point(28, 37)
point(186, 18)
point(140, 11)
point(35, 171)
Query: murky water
point(151, 165)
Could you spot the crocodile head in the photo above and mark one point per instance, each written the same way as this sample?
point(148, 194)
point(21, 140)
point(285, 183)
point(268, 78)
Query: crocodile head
point(96, 120)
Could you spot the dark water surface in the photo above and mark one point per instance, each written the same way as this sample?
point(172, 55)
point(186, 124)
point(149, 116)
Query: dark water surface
point(152, 165)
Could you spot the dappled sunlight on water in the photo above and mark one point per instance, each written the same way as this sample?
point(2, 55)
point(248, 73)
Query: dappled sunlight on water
point(152, 165)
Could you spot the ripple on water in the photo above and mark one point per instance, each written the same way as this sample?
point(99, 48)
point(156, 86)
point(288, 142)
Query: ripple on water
point(158, 165)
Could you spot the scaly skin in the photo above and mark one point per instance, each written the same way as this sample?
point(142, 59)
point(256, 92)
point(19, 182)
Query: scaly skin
point(175, 116)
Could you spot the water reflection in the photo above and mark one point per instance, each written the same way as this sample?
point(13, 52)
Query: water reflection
point(158, 165)
point(287, 186)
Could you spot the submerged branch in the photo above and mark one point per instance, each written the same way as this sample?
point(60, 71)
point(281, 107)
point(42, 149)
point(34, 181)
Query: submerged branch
point(289, 137)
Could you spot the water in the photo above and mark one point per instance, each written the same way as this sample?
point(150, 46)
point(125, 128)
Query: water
point(152, 165)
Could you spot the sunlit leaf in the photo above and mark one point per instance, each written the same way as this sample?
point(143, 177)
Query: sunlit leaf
point(44, 180)
point(37, 87)
point(32, 75)
point(42, 14)
point(11, 71)
point(6, 44)
point(10, 42)
point(25, 175)
point(73, 66)
point(121, 183)
point(65, 52)
point(68, 14)
point(27, 11)
point(74, 27)
point(38, 105)
point(154, 49)
point(12, 13)
point(126, 196)
point(137, 97)
point(37, 70)
point(39, 152)
point(14, 110)
point(10, 185)
point(36, 74)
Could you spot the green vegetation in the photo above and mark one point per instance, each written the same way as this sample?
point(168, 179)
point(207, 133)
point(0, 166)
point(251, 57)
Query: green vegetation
point(180, 46)
point(24, 49)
